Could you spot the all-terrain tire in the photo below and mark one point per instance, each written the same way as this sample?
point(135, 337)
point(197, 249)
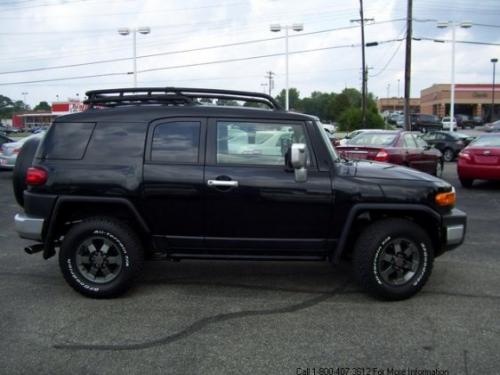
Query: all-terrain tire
point(123, 245)
point(374, 243)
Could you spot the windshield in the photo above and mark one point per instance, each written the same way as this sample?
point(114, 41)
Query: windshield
point(373, 139)
point(326, 140)
point(487, 141)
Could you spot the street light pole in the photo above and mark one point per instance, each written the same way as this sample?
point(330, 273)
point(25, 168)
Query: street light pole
point(277, 28)
point(287, 99)
point(494, 61)
point(452, 99)
point(134, 36)
point(453, 24)
point(126, 31)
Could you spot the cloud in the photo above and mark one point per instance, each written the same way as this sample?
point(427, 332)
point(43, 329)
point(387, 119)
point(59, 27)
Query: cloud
point(53, 32)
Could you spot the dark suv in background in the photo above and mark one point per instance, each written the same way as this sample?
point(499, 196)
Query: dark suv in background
point(157, 173)
point(425, 123)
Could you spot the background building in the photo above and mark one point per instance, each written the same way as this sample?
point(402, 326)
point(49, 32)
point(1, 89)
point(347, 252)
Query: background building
point(397, 104)
point(35, 119)
point(470, 99)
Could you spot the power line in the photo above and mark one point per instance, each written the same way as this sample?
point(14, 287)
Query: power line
point(456, 41)
point(182, 51)
point(389, 61)
point(192, 65)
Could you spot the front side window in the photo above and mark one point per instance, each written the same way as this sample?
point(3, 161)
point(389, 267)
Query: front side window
point(251, 143)
point(176, 142)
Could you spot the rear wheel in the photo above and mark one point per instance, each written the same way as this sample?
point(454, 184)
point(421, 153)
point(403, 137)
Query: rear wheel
point(393, 258)
point(100, 257)
point(448, 155)
point(466, 182)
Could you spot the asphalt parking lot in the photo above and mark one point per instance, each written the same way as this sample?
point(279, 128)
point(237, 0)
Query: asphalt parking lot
point(254, 317)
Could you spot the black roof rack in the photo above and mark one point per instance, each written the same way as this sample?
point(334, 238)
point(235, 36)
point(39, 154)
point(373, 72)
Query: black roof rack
point(171, 96)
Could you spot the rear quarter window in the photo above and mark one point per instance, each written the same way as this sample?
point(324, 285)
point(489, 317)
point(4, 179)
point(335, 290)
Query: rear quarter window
point(66, 141)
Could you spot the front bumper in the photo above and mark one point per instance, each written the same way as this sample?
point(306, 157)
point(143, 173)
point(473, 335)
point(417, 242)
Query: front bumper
point(454, 226)
point(29, 227)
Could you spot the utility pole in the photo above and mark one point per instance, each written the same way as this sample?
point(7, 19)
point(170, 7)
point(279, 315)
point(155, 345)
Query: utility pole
point(364, 74)
point(492, 112)
point(409, 23)
point(270, 85)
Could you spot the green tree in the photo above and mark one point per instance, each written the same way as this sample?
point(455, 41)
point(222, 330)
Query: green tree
point(42, 106)
point(9, 107)
point(352, 119)
point(293, 97)
point(318, 105)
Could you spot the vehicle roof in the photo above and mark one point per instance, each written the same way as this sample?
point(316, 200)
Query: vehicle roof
point(150, 113)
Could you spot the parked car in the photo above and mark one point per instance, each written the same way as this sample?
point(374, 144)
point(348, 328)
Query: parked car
point(425, 123)
point(449, 143)
point(492, 127)
point(9, 129)
point(4, 139)
point(447, 123)
point(118, 183)
point(395, 147)
point(480, 160)
point(477, 121)
point(10, 151)
point(464, 121)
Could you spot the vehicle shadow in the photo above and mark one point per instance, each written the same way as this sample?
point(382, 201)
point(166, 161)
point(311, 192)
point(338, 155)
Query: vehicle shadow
point(294, 277)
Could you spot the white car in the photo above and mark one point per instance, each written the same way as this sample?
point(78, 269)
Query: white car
point(330, 128)
point(446, 121)
point(9, 151)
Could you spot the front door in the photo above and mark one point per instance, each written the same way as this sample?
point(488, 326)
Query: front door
point(253, 202)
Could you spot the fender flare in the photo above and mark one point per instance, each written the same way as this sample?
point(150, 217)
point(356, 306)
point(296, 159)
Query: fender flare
point(360, 207)
point(49, 228)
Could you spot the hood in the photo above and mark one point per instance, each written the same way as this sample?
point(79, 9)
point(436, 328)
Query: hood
point(373, 169)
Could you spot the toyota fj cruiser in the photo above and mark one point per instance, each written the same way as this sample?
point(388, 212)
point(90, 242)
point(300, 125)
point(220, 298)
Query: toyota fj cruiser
point(167, 173)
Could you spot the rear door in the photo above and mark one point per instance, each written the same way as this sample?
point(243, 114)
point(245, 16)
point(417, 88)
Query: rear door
point(253, 203)
point(173, 182)
point(428, 158)
point(411, 151)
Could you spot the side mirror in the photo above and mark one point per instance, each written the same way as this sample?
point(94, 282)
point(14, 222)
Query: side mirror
point(298, 160)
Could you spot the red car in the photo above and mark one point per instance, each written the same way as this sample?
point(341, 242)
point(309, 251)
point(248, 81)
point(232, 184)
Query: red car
point(395, 147)
point(480, 160)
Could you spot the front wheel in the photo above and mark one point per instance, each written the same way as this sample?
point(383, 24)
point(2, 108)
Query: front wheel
point(393, 258)
point(100, 256)
point(448, 155)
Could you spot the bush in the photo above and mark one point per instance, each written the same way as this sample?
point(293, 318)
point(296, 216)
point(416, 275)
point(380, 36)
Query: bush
point(352, 119)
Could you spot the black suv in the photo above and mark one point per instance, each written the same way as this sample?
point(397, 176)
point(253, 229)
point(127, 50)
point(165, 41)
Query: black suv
point(157, 173)
point(425, 123)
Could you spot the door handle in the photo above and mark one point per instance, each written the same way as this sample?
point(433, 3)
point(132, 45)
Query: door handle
point(222, 183)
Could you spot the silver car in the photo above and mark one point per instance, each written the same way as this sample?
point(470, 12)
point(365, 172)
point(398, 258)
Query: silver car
point(9, 151)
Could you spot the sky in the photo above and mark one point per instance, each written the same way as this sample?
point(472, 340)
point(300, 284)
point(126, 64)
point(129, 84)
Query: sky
point(195, 44)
